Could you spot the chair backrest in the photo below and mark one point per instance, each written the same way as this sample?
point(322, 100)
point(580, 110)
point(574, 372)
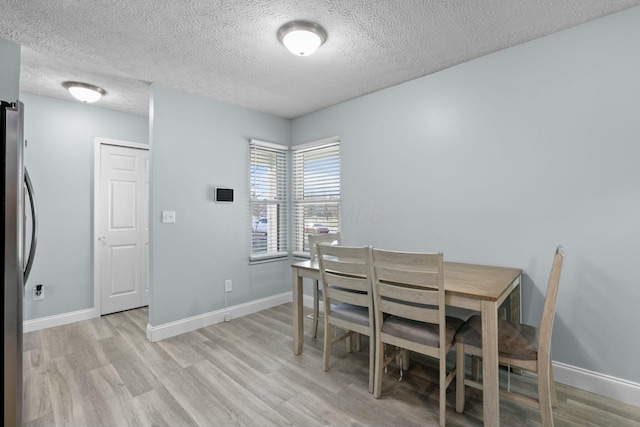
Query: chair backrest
point(314, 239)
point(345, 273)
point(548, 313)
point(409, 285)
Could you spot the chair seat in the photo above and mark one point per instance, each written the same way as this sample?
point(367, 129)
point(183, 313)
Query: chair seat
point(515, 340)
point(420, 332)
point(351, 313)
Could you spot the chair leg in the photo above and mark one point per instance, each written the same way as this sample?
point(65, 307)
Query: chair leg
point(327, 345)
point(544, 394)
point(379, 363)
point(405, 359)
point(460, 375)
point(475, 368)
point(358, 341)
point(316, 309)
point(443, 391)
point(372, 358)
point(552, 387)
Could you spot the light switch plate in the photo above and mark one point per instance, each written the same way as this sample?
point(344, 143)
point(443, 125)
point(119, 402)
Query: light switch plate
point(168, 217)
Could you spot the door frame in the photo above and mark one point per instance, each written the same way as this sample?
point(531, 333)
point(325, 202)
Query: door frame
point(99, 142)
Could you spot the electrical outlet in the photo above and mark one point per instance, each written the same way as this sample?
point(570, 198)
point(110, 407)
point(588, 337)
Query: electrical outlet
point(228, 286)
point(38, 292)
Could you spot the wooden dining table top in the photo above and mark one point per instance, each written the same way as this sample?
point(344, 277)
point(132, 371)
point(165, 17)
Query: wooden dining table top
point(478, 281)
point(468, 280)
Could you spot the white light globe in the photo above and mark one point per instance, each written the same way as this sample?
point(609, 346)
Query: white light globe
point(85, 95)
point(301, 42)
point(302, 38)
point(84, 92)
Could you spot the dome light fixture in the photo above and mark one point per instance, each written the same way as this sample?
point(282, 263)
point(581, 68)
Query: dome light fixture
point(84, 92)
point(302, 38)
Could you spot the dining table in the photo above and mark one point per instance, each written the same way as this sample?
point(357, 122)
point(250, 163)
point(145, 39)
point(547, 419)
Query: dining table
point(481, 288)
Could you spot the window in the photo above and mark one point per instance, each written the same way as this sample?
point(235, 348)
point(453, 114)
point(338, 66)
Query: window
point(316, 190)
point(268, 199)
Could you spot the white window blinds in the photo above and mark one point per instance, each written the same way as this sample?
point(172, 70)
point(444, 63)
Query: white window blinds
point(316, 190)
point(268, 199)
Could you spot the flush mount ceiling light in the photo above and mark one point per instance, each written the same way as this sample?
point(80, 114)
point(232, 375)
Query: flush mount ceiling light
point(302, 38)
point(84, 92)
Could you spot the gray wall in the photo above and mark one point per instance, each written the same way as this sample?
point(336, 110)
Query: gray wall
point(498, 160)
point(196, 145)
point(59, 157)
point(9, 70)
point(494, 161)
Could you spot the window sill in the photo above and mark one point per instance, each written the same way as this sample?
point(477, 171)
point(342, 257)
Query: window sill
point(301, 255)
point(269, 258)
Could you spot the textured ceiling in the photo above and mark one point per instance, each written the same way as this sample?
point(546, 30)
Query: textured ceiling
point(228, 50)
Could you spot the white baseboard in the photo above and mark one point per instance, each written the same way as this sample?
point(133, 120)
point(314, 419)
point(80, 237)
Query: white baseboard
point(594, 382)
point(167, 330)
point(58, 320)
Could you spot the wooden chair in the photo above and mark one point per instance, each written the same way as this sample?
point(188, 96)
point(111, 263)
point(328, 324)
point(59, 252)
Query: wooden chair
point(519, 346)
point(346, 292)
point(409, 306)
point(314, 239)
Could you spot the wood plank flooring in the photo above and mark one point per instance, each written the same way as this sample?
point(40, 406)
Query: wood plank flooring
point(104, 372)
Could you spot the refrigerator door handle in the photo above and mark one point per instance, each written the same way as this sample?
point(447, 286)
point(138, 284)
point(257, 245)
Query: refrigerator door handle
point(34, 227)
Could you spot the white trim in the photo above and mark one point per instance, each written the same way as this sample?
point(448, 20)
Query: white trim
point(98, 142)
point(160, 332)
point(274, 256)
point(316, 144)
point(58, 320)
point(121, 143)
point(266, 144)
point(605, 385)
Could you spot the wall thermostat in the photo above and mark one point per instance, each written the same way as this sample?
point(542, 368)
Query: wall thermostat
point(224, 195)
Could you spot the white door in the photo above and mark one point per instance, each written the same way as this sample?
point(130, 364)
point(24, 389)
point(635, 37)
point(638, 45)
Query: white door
point(124, 228)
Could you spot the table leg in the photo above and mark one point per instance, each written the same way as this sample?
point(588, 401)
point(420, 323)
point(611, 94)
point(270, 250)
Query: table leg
point(516, 314)
point(491, 393)
point(515, 301)
point(298, 321)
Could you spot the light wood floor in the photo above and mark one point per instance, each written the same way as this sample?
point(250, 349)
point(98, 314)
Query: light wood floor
point(103, 372)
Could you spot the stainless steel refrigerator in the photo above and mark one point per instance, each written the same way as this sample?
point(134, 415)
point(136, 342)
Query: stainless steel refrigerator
point(16, 189)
